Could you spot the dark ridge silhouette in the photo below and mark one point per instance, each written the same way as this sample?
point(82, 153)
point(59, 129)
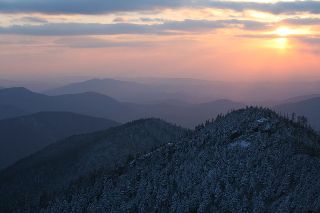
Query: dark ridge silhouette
point(22, 136)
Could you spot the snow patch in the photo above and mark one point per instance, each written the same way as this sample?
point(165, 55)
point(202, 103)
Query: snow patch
point(262, 120)
point(240, 143)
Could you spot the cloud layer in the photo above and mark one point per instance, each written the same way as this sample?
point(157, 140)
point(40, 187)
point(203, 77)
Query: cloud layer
point(84, 6)
point(70, 29)
point(111, 6)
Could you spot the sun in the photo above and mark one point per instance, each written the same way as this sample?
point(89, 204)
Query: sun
point(284, 31)
point(283, 34)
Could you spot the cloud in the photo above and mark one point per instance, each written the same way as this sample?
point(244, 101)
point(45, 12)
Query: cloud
point(84, 6)
point(71, 29)
point(302, 21)
point(202, 25)
point(311, 40)
point(146, 19)
point(89, 42)
point(312, 44)
point(281, 7)
point(33, 19)
point(111, 6)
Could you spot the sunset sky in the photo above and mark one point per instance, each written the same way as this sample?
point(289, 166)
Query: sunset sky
point(217, 40)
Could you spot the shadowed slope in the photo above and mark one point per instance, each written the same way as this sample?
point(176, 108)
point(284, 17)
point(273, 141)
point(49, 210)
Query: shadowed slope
point(22, 136)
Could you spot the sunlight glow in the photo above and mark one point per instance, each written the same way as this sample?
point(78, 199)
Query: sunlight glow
point(281, 43)
point(283, 31)
point(286, 31)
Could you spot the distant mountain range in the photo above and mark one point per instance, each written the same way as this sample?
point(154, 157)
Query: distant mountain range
point(22, 136)
point(189, 115)
point(7, 111)
point(309, 107)
point(47, 172)
point(250, 160)
point(19, 101)
point(298, 99)
point(128, 91)
point(157, 90)
point(88, 103)
point(164, 90)
point(99, 105)
point(33, 85)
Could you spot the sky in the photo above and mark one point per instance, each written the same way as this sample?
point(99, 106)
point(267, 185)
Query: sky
point(226, 40)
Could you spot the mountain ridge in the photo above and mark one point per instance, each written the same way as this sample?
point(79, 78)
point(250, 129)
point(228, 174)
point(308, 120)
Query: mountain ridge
point(249, 160)
point(23, 135)
point(56, 166)
point(99, 105)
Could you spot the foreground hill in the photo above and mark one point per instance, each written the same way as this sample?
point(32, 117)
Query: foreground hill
point(44, 174)
point(309, 108)
point(250, 160)
point(22, 136)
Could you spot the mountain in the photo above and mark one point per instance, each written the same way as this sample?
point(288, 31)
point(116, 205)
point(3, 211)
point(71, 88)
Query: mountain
point(99, 105)
point(198, 91)
point(189, 115)
point(32, 85)
point(88, 103)
point(128, 91)
point(159, 90)
point(310, 108)
point(48, 171)
point(250, 160)
point(21, 136)
point(301, 98)
point(10, 111)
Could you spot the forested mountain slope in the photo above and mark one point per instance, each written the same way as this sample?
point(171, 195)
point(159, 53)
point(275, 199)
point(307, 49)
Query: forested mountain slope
point(250, 160)
point(42, 176)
